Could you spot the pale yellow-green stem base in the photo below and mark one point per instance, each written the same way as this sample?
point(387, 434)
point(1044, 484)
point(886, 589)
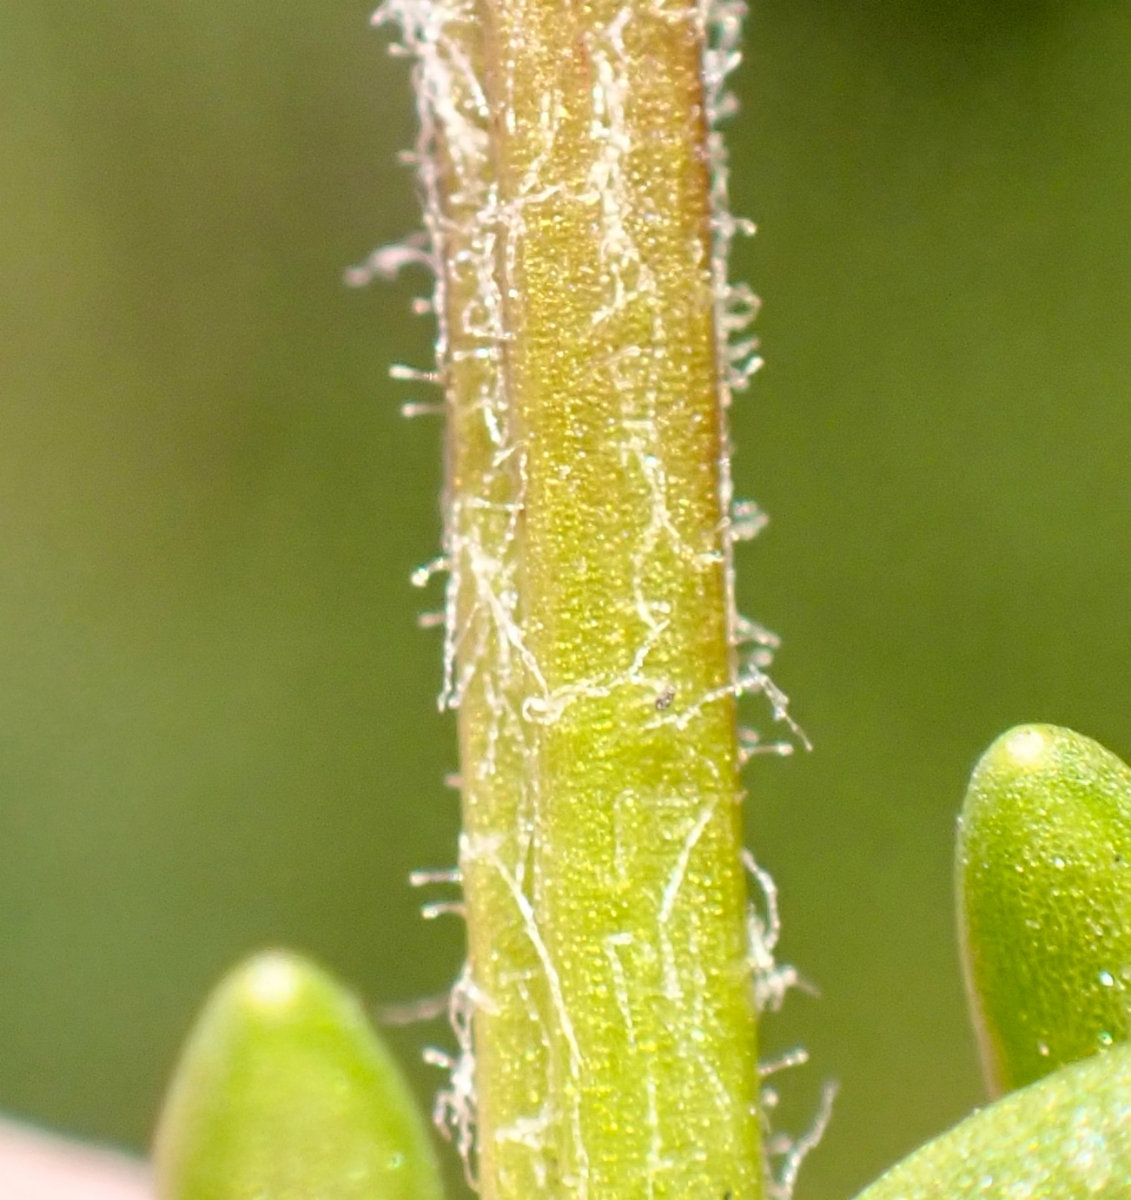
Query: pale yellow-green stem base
point(574, 186)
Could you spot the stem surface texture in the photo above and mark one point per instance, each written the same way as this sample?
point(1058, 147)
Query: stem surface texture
point(576, 222)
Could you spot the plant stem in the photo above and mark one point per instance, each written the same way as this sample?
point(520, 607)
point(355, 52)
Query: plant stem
point(567, 156)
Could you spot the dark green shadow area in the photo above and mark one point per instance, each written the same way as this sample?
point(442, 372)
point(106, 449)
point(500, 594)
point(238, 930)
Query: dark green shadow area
point(217, 718)
point(941, 438)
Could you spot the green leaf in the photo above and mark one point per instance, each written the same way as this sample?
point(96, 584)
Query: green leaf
point(284, 1093)
point(1066, 1136)
point(1044, 896)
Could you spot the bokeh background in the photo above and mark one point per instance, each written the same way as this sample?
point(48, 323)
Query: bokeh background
point(217, 718)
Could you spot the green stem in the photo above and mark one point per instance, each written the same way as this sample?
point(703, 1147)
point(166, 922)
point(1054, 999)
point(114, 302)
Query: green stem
point(567, 155)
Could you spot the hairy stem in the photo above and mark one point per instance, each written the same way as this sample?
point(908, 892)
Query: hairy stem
point(576, 224)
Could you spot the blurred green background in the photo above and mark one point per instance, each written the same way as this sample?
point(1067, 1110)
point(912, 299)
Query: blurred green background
point(217, 719)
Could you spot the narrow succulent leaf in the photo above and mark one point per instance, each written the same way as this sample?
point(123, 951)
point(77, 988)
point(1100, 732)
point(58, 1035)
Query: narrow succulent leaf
point(1044, 898)
point(1064, 1137)
point(284, 1093)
